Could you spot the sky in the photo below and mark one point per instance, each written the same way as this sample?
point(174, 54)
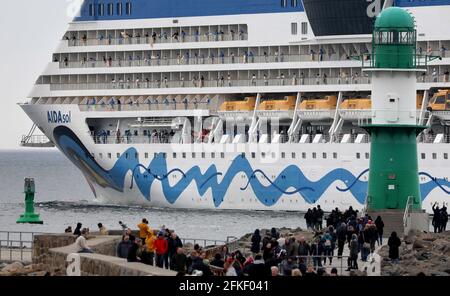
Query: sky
point(31, 31)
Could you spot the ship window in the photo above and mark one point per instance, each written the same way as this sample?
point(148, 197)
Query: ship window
point(101, 155)
point(293, 154)
point(434, 156)
point(146, 155)
point(304, 28)
point(334, 155)
point(118, 155)
point(128, 6)
point(119, 8)
point(184, 155)
point(222, 155)
point(294, 28)
point(110, 9)
point(101, 9)
point(203, 155)
point(174, 155)
point(283, 155)
point(440, 100)
point(284, 3)
point(213, 155)
point(253, 154)
point(93, 155)
point(243, 155)
point(314, 155)
point(294, 3)
point(126, 155)
point(324, 155)
point(263, 155)
point(91, 9)
point(422, 155)
point(155, 155)
point(358, 155)
point(109, 155)
point(273, 155)
point(367, 155)
point(303, 155)
point(445, 155)
point(193, 155)
point(136, 155)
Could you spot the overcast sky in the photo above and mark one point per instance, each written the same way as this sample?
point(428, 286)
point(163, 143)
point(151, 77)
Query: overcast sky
point(30, 33)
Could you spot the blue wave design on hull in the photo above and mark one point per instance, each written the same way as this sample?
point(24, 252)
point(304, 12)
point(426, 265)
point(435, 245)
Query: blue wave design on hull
point(144, 177)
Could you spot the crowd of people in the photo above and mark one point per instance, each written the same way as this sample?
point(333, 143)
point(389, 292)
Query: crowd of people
point(271, 253)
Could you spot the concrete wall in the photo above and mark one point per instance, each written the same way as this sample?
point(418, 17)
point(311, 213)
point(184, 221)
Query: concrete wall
point(50, 253)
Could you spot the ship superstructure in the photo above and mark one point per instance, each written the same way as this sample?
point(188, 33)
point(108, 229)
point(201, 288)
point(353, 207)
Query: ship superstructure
point(234, 104)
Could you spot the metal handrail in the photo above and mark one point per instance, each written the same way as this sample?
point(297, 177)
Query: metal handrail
point(408, 209)
point(15, 245)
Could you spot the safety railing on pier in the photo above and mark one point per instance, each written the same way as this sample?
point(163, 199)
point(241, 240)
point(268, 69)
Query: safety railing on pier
point(16, 246)
point(338, 262)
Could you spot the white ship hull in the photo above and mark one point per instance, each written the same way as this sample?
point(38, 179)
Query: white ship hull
point(280, 184)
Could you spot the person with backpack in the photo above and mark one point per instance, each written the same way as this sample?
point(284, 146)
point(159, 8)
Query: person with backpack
point(380, 226)
point(327, 247)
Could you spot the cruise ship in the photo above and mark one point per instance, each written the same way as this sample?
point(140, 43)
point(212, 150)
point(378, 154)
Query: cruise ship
point(236, 104)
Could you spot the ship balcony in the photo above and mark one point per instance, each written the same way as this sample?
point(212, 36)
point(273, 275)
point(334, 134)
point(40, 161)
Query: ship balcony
point(354, 114)
point(280, 81)
point(157, 61)
point(155, 104)
point(164, 39)
point(442, 115)
point(316, 114)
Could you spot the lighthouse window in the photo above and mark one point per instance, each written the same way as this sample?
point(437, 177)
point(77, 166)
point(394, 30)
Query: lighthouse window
point(445, 155)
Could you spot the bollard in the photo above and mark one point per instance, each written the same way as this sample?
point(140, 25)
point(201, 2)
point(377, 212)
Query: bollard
point(29, 216)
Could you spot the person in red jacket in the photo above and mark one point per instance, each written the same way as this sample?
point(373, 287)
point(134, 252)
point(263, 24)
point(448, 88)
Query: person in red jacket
point(161, 248)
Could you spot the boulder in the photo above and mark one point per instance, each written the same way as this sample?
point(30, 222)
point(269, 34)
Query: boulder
point(13, 267)
point(421, 244)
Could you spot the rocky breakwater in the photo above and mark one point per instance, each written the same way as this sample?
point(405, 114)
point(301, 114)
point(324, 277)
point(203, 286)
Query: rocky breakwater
point(427, 253)
point(19, 269)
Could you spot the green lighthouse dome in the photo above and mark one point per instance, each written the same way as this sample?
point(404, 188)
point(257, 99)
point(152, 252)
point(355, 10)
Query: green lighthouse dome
point(394, 17)
point(394, 40)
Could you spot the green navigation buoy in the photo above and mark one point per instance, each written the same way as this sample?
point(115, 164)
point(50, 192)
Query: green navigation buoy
point(29, 216)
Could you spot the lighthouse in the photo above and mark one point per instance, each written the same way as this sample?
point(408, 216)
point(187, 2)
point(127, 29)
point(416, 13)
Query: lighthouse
point(393, 177)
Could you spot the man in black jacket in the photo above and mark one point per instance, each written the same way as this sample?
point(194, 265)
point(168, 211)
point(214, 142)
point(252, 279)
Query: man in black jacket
point(174, 242)
point(179, 262)
point(257, 268)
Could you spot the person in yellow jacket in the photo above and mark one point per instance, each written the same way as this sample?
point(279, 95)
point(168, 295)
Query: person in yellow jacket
point(144, 229)
point(150, 250)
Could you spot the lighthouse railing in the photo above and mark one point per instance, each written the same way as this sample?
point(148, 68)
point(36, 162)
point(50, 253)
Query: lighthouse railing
point(407, 214)
point(390, 116)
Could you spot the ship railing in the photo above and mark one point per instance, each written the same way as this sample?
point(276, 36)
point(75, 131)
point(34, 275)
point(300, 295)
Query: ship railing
point(16, 246)
point(155, 61)
point(145, 106)
point(203, 84)
point(210, 37)
point(388, 116)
